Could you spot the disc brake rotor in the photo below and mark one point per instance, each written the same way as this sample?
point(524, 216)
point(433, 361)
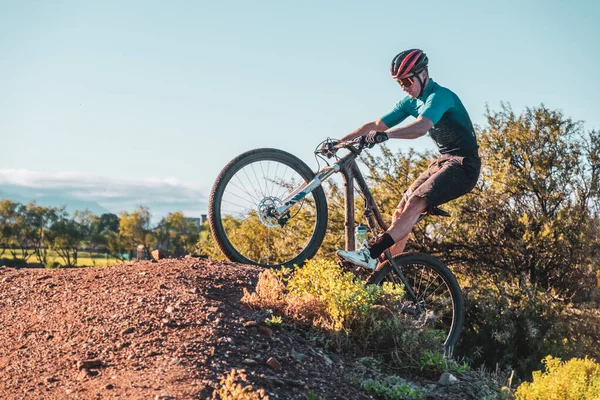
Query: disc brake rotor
point(266, 212)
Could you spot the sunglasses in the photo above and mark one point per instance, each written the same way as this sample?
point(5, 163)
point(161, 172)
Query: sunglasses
point(406, 82)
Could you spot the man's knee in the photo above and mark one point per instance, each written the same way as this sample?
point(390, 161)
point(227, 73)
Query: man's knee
point(416, 205)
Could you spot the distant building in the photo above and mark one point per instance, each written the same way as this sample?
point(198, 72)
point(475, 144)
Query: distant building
point(196, 222)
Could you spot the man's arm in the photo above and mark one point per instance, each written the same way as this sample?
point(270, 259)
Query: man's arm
point(415, 129)
point(377, 125)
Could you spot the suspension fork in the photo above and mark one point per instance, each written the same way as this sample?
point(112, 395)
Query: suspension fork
point(303, 190)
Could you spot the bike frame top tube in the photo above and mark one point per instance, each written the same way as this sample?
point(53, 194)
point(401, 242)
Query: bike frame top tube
point(348, 167)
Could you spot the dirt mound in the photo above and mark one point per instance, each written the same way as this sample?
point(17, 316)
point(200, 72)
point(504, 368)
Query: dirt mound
point(148, 330)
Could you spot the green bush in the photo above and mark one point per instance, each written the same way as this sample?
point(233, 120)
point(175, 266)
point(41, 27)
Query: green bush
point(356, 316)
point(234, 387)
point(52, 265)
point(572, 380)
point(14, 262)
point(344, 298)
point(392, 387)
point(516, 327)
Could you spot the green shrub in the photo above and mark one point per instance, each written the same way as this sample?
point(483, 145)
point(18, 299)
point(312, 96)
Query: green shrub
point(14, 262)
point(571, 380)
point(516, 327)
point(436, 362)
point(356, 316)
point(392, 387)
point(343, 296)
point(233, 387)
point(52, 265)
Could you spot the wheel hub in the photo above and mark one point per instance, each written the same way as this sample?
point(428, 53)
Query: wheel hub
point(266, 212)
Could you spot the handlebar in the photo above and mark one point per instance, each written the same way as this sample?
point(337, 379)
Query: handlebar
point(330, 147)
point(356, 145)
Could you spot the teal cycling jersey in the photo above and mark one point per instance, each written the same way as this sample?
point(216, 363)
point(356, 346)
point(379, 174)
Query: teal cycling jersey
point(452, 130)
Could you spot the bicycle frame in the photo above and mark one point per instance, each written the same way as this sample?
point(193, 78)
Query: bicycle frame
point(348, 167)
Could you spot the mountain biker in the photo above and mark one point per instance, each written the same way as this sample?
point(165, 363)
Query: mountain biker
point(441, 113)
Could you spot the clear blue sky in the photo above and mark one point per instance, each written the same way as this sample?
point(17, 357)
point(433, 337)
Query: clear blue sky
point(170, 91)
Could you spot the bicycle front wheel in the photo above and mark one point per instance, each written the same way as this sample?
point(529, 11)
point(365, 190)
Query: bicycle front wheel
point(252, 183)
point(439, 304)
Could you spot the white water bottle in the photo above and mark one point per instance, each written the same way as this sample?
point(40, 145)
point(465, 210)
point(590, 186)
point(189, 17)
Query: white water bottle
point(360, 235)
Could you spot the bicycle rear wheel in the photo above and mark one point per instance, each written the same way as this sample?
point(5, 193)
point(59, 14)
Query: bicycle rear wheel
point(249, 185)
point(439, 304)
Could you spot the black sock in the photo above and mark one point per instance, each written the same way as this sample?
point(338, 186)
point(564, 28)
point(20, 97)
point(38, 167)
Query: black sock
point(381, 245)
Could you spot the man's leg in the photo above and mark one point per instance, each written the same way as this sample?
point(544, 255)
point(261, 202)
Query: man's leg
point(405, 222)
point(397, 233)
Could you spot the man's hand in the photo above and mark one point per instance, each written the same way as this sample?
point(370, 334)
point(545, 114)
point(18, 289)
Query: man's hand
point(327, 148)
point(374, 137)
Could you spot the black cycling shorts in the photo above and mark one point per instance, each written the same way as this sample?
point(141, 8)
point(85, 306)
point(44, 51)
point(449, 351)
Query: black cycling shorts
point(447, 178)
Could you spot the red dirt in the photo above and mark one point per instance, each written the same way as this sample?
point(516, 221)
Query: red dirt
point(148, 330)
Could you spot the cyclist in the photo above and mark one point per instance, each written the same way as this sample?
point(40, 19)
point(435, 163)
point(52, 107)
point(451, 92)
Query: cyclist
point(441, 113)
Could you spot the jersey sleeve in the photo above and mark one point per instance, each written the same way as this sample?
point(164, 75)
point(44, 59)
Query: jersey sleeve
point(436, 105)
point(397, 115)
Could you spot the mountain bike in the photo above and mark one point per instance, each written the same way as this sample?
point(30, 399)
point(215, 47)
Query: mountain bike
point(268, 208)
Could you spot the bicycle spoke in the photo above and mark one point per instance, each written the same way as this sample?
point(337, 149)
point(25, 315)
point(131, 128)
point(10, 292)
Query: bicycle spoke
point(266, 182)
point(433, 308)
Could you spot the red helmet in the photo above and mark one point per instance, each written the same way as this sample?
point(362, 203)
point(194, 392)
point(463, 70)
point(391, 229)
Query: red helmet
point(409, 62)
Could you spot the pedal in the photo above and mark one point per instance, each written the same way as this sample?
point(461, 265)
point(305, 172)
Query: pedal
point(347, 265)
point(360, 272)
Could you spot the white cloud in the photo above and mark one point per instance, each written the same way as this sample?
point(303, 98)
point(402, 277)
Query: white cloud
point(161, 196)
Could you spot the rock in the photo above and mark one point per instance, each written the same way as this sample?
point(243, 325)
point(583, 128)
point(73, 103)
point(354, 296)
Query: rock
point(50, 379)
point(122, 345)
point(335, 358)
point(244, 349)
point(86, 373)
point(87, 364)
point(273, 363)
point(265, 331)
point(299, 356)
point(163, 396)
point(127, 331)
point(249, 361)
point(447, 379)
point(109, 386)
point(169, 310)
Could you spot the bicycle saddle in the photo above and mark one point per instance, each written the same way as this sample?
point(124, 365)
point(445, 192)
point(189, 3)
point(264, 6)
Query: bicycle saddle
point(439, 211)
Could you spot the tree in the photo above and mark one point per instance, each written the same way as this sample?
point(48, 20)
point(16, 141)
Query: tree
point(66, 237)
point(100, 230)
point(134, 229)
point(176, 234)
point(41, 219)
point(22, 230)
point(8, 212)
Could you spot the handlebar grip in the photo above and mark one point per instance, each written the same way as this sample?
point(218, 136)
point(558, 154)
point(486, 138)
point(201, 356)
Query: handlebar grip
point(381, 137)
